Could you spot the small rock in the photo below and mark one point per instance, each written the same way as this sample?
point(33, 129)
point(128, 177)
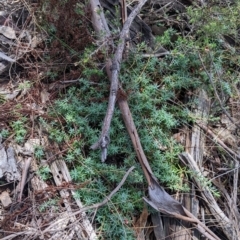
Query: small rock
point(5, 199)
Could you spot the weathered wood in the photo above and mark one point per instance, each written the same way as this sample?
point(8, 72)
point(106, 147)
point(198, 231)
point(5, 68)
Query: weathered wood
point(206, 194)
point(201, 112)
point(84, 230)
point(197, 144)
point(8, 164)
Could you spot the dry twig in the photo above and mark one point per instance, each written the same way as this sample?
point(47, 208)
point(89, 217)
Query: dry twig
point(104, 139)
point(219, 141)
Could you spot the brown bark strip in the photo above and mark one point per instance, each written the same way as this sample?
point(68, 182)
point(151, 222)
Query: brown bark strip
point(129, 123)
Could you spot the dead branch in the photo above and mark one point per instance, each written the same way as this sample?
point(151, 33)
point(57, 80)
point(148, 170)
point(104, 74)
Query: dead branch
point(232, 206)
point(104, 139)
point(235, 183)
point(98, 20)
point(162, 53)
point(129, 123)
point(222, 219)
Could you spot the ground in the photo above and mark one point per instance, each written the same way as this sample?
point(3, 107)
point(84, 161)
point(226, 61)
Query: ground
point(180, 78)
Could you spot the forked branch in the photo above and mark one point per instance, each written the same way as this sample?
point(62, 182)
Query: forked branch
point(104, 139)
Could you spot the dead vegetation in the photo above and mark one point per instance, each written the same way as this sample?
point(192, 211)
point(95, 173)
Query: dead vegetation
point(43, 52)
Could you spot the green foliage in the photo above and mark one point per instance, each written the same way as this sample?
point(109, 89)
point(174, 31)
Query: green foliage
point(47, 204)
point(83, 109)
point(44, 172)
point(206, 184)
point(215, 20)
point(26, 85)
point(38, 152)
point(152, 94)
point(4, 133)
point(2, 99)
point(165, 40)
point(51, 74)
point(212, 26)
point(79, 9)
point(19, 130)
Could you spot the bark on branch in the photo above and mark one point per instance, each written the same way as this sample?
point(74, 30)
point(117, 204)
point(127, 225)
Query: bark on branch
point(104, 139)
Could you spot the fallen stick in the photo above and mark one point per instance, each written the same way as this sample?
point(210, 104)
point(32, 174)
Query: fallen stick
point(104, 139)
